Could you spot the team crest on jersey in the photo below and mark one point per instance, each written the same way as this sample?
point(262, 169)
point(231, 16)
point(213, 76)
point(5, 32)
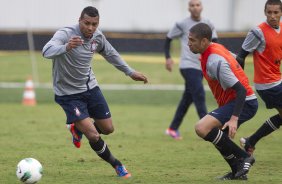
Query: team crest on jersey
point(93, 46)
point(77, 112)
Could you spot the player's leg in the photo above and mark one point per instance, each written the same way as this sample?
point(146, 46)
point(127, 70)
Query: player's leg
point(273, 99)
point(100, 112)
point(234, 163)
point(197, 90)
point(182, 108)
point(75, 109)
point(76, 135)
point(99, 146)
point(249, 110)
point(270, 125)
point(104, 126)
point(209, 129)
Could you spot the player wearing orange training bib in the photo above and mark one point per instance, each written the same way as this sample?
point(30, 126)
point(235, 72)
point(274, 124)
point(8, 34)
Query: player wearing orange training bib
point(265, 42)
point(236, 100)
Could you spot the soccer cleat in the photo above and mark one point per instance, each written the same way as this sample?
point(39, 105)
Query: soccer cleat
point(245, 166)
point(245, 143)
point(230, 176)
point(122, 172)
point(173, 133)
point(76, 135)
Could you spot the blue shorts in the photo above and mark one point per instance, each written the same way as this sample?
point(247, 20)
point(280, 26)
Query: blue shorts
point(224, 113)
point(79, 106)
point(272, 97)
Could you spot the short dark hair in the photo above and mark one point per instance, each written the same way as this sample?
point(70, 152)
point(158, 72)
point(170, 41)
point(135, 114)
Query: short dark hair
point(273, 2)
point(90, 11)
point(201, 31)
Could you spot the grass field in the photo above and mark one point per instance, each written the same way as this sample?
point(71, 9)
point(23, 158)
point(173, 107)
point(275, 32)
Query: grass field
point(140, 118)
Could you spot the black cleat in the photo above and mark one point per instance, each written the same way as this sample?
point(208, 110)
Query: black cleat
point(245, 166)
point(231, 176)
point(245, 143)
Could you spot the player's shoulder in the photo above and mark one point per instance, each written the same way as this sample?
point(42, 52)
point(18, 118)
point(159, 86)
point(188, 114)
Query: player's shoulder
point(69, 29)
point(214, 58)
point(184, 21)
point(256, 31)
point(207, 21)
point(257, 28)
point(98, 35)
point(213, 62)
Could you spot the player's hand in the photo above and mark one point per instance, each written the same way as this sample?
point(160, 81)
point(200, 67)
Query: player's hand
point(137, 76)
point(169, 64)
point(232, 125)
point(74, 42)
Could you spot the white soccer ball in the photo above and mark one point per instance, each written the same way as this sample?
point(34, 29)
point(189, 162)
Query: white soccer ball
point(29, 170)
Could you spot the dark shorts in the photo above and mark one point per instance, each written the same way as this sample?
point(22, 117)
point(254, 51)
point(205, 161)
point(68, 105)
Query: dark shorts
point(83, 105)
point(224, 113)
point(272, 97)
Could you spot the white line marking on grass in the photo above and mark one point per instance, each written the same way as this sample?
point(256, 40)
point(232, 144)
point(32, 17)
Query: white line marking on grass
point(165, 87)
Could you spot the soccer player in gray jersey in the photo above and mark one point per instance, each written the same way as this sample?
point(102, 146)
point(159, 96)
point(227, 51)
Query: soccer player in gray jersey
point(190, 68)
point(76, 89)
point(265, 42)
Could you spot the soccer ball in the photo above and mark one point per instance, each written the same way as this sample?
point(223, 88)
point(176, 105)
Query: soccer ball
point(29, 170)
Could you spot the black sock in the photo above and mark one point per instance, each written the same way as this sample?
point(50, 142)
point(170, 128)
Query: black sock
point(222, 141)
point(97, 128)
point(102, 150)
point(230, 159)
point(269, 126)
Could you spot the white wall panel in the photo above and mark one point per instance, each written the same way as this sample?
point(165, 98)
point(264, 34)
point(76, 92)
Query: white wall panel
point(127, 15)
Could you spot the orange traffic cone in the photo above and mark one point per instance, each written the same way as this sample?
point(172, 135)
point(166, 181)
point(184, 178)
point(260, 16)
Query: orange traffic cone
point(29, 94)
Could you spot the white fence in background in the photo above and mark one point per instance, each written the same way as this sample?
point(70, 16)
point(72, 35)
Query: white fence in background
point(127, 15)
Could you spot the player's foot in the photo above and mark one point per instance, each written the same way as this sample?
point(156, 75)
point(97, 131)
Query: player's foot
point(173, 133)
point(245, 143)
point(76, 135)
point(245, 166)
point(231, 176)
point(122, 172)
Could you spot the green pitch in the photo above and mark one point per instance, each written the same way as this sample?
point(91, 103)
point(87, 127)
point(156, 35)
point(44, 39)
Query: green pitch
point(140, 119)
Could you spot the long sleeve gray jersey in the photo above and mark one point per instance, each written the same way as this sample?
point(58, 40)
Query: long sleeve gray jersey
point(181, 30)
point(72, 72)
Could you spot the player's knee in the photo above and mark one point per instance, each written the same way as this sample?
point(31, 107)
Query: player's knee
point(109, 130)
point(93, 137)
point(200, 130)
